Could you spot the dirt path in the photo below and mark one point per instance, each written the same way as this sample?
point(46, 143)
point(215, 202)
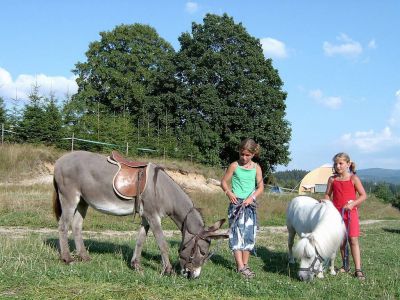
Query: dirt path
point(19, 232)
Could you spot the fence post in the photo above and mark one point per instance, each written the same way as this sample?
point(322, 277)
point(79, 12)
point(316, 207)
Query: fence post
point(2, 133)
point(127, 148)
point(72, 142)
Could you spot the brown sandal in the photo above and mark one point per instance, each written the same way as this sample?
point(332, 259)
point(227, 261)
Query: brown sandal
point(246, 273)
point(359, 274)
point(344, 270)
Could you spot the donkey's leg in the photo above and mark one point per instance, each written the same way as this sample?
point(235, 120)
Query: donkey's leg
point(155, 225)
point(291, 235)
point(68, 204)
point(77, 221)
point(141, 237)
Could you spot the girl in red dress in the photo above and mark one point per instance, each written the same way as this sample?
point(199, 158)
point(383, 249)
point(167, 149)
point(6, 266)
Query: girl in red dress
point(347, 193)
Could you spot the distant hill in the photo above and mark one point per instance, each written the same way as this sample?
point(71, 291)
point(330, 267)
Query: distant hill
point(379, 175)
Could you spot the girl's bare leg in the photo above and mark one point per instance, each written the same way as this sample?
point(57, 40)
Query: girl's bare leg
point(239, 259)
point(355, 252)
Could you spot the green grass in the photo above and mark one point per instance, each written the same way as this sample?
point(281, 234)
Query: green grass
point(32, 206)
point(30, 269)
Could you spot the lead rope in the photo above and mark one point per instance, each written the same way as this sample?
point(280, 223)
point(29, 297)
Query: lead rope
point(346, 247)
point(238, 212)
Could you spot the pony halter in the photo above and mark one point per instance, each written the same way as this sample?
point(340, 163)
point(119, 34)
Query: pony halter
point(312, 268)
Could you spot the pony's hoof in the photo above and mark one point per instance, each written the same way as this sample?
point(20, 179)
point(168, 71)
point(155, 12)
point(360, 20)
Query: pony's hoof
point(333, 273)
point(320, 275)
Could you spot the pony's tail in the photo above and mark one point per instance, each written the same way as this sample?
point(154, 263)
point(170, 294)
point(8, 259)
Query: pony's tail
point(56, 201)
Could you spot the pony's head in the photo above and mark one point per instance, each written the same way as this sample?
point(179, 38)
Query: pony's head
point(194, 250)
point(310, 261)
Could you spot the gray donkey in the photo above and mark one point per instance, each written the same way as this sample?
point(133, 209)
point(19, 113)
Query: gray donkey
point(83, 179)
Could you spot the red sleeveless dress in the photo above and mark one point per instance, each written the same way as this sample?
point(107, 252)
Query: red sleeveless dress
point(343, 191)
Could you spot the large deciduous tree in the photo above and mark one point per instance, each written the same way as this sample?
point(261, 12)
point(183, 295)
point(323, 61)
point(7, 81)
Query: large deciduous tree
point(129, 71)
point(228, 91)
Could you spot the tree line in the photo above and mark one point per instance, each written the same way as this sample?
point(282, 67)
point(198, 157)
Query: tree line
point(199, 101)
point(387, 192)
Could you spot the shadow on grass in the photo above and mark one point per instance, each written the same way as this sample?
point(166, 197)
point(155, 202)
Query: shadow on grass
point(391, 230)
point(277, 262)
point(95, 246)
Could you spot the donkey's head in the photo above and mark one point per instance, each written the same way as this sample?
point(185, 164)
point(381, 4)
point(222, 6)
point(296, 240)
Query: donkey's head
point(194, 250)
point(311, 262)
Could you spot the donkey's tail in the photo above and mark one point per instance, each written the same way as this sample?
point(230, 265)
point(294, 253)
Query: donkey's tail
point(56, 201)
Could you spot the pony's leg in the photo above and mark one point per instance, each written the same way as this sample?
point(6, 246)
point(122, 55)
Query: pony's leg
point(155, 225)
point(291, 235)
point(68, 210)
point(77, 222)
point(332, 264)
point(321, 271)
point(141, 237)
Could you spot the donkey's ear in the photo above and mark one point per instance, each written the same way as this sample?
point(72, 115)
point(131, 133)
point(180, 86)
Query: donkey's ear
point(217, 225)
point(216, 235)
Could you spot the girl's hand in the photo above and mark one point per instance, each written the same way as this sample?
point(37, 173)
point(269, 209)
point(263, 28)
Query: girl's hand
point(350, 205)
point(232, 197)
point(248, 201)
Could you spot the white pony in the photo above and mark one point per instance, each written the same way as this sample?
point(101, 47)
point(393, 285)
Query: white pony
point(321, 230)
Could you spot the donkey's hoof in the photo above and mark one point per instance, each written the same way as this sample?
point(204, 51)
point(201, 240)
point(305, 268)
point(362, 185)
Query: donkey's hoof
point(136, 266)
point(67, 260)
point(168, 271)
point(85, 257)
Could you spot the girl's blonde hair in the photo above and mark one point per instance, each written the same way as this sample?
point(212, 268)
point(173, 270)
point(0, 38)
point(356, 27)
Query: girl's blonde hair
point(251, 146)
point(346, 157)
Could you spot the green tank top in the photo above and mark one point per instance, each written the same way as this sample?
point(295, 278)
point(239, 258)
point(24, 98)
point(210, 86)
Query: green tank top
point(243, 182)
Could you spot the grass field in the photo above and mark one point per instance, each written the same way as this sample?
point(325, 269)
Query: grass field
point(30, 267)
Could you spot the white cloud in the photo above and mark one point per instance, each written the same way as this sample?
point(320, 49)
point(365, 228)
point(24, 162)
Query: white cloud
point(22, 85)
point(331, 102)
point(346, 47)
point(371, 141)
point(273, 48)
point(191, 7)
point(395, 117)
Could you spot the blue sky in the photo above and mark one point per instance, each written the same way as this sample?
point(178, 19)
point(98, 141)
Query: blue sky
point(338, 60)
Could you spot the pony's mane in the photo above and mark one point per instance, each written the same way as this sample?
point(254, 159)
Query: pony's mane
point(303, 248)
point(329, 232)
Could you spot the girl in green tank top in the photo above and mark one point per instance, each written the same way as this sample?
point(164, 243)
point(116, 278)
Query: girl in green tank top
point(245, 177)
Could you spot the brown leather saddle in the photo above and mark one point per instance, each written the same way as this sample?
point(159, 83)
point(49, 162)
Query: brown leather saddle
point(130, 179)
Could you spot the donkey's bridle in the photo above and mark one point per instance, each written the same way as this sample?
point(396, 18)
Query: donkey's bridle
point(196, 237)
point(312, 268)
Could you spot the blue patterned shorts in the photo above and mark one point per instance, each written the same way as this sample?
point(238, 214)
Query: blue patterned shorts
point(243, 226)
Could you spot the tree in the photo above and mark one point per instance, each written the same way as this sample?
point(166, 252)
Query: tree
point(383, 192)
point(229, 91)
point(31, 128)
point(129, 71)
point(52, 123)
point(3, 111)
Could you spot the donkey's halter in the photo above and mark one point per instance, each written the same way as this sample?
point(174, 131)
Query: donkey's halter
point(312, 268)
point(196, 237)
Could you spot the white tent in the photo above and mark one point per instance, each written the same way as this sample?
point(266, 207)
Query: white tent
point(316, 180)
